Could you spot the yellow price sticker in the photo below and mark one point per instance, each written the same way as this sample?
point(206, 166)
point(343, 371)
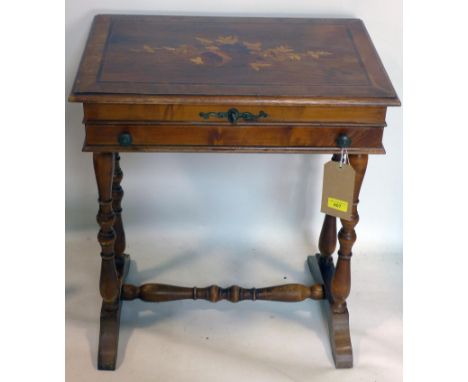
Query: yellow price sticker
point(337, 204)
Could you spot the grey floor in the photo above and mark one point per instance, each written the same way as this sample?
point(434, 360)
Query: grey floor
point(247, 341)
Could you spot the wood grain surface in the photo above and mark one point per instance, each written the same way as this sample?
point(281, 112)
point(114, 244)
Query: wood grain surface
point(224, 84)
point(163, 56)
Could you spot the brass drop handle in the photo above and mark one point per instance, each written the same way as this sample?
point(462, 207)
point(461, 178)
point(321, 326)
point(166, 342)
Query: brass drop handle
point(125, 139)
point(233, 115)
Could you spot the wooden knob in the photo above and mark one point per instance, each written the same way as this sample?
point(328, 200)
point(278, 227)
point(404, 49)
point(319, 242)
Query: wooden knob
point(125, 139)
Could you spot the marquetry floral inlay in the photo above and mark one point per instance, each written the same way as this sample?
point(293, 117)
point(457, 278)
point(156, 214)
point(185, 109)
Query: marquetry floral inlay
point(223, 49)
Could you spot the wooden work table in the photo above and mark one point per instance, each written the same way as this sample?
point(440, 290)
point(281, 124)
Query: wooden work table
point(217, 84)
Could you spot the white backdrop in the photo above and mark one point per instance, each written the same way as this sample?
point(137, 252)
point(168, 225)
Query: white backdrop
point(248, 219)
point(233, 192)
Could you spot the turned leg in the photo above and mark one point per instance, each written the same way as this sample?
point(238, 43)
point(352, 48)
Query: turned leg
point(108, 283)
point(327, 240)
point(337, 282)
point(117, 195)
point(110, 280)
point(341, 284)
point(327, 245)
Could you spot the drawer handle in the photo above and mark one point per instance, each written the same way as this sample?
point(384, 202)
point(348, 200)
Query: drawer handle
point(125, 139)
point(343, 141)
point(233, 115)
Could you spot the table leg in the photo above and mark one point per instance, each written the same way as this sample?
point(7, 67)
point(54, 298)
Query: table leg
point(110, 280)
point(337, 282)
point(117, 195)
point(341, 284)
point(327, 240)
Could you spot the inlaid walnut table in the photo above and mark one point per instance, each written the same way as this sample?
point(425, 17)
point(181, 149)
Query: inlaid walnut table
point(202, 84)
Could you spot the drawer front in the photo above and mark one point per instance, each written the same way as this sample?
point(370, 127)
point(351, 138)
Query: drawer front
point(254, 138)
point(247, 114)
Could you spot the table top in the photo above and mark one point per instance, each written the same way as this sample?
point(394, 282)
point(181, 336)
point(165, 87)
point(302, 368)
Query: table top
point(177, 59)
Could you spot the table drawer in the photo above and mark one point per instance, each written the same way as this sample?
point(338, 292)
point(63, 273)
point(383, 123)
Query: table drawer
point(246, 113)
point(210, 137)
